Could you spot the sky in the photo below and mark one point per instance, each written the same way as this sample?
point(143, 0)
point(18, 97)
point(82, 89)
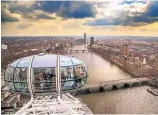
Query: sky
point(59, 18)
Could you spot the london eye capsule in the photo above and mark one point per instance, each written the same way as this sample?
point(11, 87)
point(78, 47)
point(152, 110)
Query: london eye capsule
point(39, 72)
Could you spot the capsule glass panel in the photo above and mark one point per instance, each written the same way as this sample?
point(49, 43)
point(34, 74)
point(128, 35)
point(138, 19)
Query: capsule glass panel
point(67, 78)
point(10, 85)
point(24, 62)
point(80, 75)
point(9, 74)
point(73, 73)
point(20, 79)
point(44, 79)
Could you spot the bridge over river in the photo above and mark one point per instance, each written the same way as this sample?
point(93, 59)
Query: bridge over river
point(112, 85)
point(78, 50)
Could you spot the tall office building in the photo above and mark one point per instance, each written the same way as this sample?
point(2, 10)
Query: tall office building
point(84, 38)
point(92, 41)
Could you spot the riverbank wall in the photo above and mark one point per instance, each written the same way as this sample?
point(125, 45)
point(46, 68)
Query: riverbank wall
point(124, 64)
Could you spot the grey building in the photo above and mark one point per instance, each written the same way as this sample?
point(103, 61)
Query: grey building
point(92, 41)
point(84, 38)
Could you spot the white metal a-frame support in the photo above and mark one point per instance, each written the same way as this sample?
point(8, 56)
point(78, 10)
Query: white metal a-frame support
point(64, 104)
point(50, 105)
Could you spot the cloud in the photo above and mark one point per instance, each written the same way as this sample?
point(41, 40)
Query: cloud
point(126, 12)
point(23, 26)
point(152, 9)
point(143, 30)
point(117, 8)
point(106, 21)
point(7, 16)
point(38, 14)
point(21, 6)
point(128, 21)
point(145, 15)
point(45, 9)
point(76, 10)
point(68, 9)
point(50, 6)
point(28, 10)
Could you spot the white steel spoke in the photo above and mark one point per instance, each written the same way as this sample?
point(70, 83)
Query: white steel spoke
point(45, 105)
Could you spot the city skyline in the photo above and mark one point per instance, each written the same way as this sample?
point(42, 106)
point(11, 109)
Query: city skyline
point(43, 18)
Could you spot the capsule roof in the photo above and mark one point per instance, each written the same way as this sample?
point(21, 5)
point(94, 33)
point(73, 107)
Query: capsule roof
point(46, 60)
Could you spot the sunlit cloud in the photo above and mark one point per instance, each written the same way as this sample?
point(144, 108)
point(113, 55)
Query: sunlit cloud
point(122, 17)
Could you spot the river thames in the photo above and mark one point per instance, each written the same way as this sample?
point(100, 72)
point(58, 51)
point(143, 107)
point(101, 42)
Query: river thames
point(133, 100)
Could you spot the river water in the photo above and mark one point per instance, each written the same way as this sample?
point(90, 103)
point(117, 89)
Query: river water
point(127, 101)
point(98, 68)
